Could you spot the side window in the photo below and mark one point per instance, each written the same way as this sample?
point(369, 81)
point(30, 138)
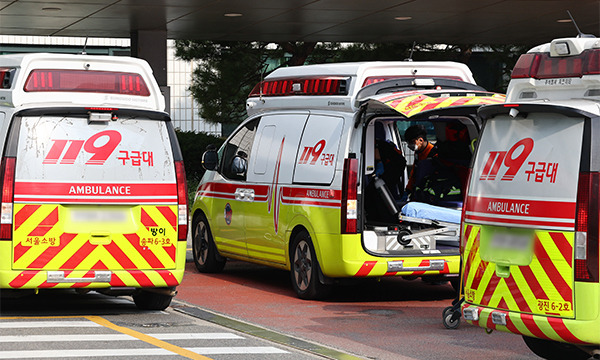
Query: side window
point(236, 152)
point(275, 148)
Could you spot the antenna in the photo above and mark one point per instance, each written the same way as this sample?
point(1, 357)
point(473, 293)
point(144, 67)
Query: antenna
point(412, 50)
point(579, 33)
point(84, 46)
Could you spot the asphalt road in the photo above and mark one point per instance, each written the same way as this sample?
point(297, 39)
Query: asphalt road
point(251, 312)
point(60, 324)
point(389, 319)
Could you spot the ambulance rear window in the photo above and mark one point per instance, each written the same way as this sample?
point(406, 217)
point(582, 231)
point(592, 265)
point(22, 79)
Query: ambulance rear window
point(543, 66)
point(107, 82)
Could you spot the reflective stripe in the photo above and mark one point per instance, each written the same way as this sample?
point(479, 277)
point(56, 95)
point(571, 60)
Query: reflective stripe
point(40, 244)
point(543, 287)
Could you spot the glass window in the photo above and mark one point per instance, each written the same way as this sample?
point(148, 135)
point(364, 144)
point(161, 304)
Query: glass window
point(236, 152)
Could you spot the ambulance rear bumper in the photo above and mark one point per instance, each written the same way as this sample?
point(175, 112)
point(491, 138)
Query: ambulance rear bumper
point(572, 331)
point(37, 279)
point(344, 256)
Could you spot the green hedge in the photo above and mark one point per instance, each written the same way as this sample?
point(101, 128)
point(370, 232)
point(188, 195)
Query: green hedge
point(192, 147)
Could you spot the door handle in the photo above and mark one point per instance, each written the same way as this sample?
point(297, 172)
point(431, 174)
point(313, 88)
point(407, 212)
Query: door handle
point(244, 194)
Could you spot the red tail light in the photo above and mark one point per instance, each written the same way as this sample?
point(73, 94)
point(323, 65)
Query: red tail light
point(349, 196)
point(586, 226)
point(6, 77)
point(6, 212)
point(542, 66)
point(181, 201)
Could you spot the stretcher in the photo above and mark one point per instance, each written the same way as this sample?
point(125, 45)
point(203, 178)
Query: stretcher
point(421, 226)
point(438, 224)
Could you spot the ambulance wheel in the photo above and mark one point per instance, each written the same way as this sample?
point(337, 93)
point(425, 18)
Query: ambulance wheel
point(554, 350)
point(305, 268)
point(447, 318)
point(206, 257)
point(148, 300)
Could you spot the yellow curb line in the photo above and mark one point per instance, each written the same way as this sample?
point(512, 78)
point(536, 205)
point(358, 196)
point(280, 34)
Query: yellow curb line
point(147, 338)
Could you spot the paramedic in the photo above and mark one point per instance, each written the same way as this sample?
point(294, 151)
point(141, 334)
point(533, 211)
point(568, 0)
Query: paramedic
point(416, 137)
point(389, 166)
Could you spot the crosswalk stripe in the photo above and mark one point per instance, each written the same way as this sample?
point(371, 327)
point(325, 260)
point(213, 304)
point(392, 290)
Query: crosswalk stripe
point(81, 353)
point(115, 337)
point(124, 334)
point(46, 324)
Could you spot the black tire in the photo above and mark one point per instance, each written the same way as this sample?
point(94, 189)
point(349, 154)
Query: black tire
point(554, 350)
point(447, 318)
point(305, 268)
point(206, 257)
point(148, 300)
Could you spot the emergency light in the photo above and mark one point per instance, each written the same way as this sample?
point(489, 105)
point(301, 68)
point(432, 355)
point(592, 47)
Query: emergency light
point(544, 66)
point(326, 85)
point(107, 82)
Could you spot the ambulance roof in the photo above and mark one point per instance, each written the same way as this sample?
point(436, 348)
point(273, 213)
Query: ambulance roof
point(584, 107)
point(566, 68)
point(361, 70)
point(334, 86)
point(48, 80)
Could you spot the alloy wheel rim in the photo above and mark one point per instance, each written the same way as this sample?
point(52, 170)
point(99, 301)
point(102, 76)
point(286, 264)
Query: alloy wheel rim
point(201, 243)
point(302, 265)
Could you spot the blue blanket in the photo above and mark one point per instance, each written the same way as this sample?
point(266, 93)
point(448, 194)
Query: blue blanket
point(431, 212)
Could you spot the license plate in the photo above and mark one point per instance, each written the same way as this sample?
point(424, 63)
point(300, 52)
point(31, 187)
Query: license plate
point(511, 241)
point(98, 216)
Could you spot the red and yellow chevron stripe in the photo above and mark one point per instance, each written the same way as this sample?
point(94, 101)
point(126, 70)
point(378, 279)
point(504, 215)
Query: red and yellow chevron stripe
point(138, 248)
point(544, 287)
point(414, 104)
point(379, 268)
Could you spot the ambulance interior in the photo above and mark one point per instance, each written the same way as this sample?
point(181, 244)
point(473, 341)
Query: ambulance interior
point(427, 219)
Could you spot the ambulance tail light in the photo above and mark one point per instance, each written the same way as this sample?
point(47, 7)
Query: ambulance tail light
point(586, 226)
point(6, 77)
point(6, 209)
point(327, 85)
point(349, 196)
point(106, 82)
point(182, 208)
point(543, 66)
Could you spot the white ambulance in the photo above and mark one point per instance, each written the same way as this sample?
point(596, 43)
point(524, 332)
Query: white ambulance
point(531, 218)
point(92, 177)
point(297, 185)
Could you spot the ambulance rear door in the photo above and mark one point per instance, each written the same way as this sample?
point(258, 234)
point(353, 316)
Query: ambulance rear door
point(93, 191)
point(519, 235)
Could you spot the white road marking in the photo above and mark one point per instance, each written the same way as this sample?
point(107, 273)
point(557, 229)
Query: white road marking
point(46, 324)
point(80, 353)
point(116, 337)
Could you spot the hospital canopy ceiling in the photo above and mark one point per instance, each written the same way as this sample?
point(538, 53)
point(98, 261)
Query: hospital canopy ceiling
point(398, 21)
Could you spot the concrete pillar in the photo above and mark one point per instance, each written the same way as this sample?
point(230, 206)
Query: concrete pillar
point(151, 45)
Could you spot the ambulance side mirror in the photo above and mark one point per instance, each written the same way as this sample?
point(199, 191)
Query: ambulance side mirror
point(210, 158)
